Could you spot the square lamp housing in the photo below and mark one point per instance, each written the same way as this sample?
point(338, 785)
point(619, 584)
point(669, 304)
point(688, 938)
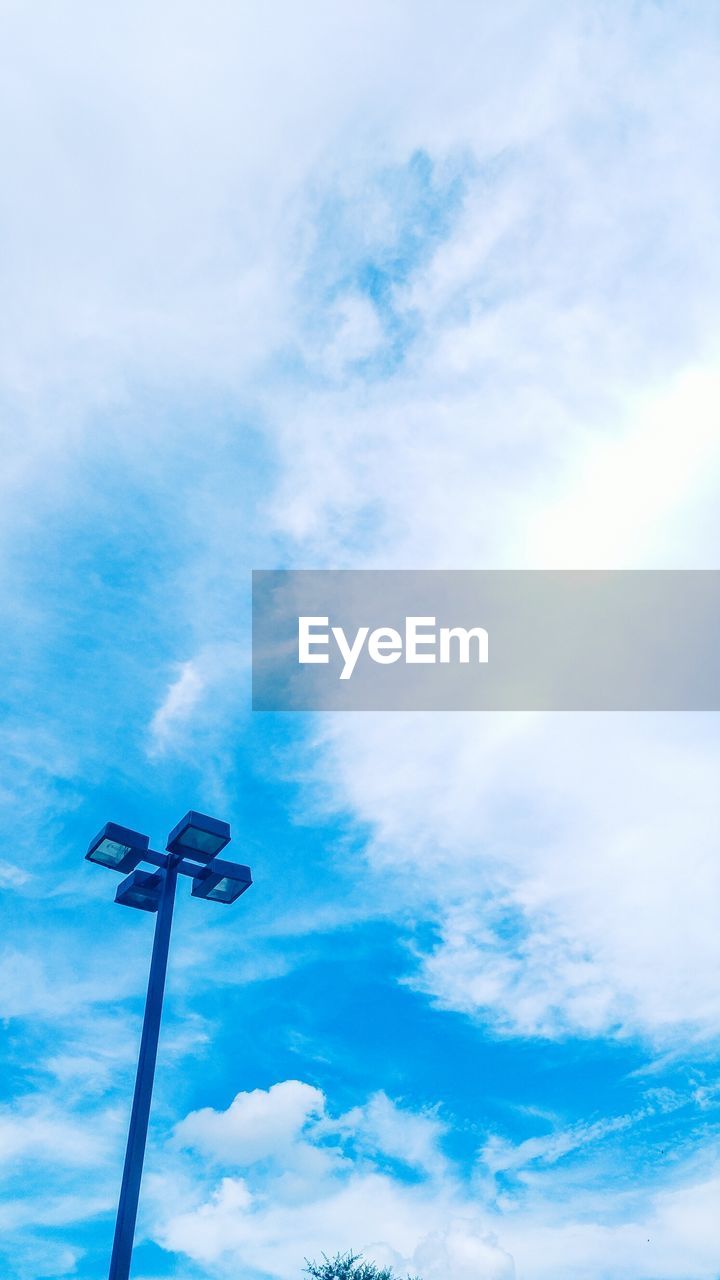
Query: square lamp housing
point(198, 837)
point(222, 881)
point(118, 848)
point(140, 889)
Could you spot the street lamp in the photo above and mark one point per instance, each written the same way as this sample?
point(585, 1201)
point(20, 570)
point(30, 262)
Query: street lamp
point(192, 849)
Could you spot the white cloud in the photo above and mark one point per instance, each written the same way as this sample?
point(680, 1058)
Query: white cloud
point(256, 1125)
point(568, 865)
point(356, 334)
point(195, 698)
point(435, 1224)
point(381, 1127)
point(314, 1182)
point(674, 1236)
point(498, 1155)
point(271, 1238)
point(459, 1253)
point(13, 877)
point(181, 699)
point(568, 862)
point(623, 495)
point(32, 1132)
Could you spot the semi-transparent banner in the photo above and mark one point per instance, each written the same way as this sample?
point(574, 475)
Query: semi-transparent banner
point(493, 640)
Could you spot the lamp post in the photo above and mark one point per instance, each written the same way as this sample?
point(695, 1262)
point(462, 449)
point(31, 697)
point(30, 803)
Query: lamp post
point(192, 849)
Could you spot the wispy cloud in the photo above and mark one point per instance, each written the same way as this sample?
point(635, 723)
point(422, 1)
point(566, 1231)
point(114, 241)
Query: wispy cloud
point(182, 697)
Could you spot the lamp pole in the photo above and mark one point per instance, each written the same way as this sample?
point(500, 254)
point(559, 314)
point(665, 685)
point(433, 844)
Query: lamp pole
point(191, 850)
point(140, 1115)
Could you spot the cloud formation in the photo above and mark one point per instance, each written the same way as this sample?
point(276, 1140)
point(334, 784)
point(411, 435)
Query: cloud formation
point(312, 1181)
point(364, 286)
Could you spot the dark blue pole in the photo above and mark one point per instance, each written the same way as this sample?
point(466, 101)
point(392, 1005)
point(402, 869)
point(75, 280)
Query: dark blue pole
point(135, 1152)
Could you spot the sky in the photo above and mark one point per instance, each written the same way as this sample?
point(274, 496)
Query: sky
point(354, 286)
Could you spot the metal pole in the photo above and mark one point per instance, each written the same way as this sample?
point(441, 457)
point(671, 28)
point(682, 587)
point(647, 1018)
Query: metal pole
point(137, 1134)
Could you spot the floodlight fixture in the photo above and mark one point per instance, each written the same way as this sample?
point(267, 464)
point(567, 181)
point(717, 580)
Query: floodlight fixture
point(140, 889)
point(222, 881)
point(199, 837)
point(118, 848)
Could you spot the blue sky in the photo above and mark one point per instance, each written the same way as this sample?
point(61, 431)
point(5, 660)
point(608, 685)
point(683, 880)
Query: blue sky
point(355, 286)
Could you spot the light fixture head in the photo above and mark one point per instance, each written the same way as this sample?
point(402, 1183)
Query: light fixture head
point(118, 847)
point(199, 837)
point(140, 889)
point(222, 881)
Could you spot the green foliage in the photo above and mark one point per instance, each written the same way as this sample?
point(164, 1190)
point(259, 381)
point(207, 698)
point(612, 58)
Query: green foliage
point(349, 1266)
